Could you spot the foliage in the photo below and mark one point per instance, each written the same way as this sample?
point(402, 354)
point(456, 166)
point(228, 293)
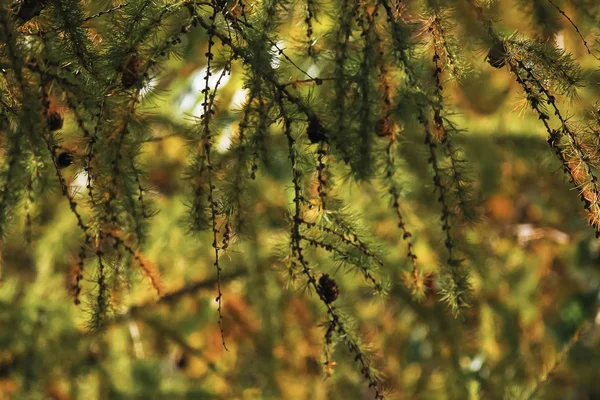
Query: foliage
point(236, 199)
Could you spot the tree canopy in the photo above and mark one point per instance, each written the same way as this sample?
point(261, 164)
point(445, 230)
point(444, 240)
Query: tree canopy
point(299, 199)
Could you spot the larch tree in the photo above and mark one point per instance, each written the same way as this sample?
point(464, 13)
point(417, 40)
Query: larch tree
point(237, 199)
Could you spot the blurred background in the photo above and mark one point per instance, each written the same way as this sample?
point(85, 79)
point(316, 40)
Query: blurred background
point(535, 265)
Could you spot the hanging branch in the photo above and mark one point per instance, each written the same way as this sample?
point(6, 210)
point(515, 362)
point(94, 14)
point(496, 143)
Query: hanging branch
point(564, 14)
point(444, 128)
point(49, 139)
point(207, 144)
point(340, 81)
point(308, 20)
point(582, 178)
point(416, 277)
point(298, 256)
point(445, 44)
point(579, 170)
point(458, 287)
point(387, 129)
point(234, 208)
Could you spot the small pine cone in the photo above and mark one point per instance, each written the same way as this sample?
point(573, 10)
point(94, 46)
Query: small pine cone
point(496, 57)
point(328, 288)
point(383, 128)
point(64, 159)
point(315, 131)
point(131, 72)
point(55, 121)
point(27, 9)
point(182, 361)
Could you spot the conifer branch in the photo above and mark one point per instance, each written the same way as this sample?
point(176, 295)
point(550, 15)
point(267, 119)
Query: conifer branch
point(321, 175)
point(49, 140)
point(583, 178)
point(459, 286)
point(79, 274)
point(266, 73)
point(146, 266)
point(71, 16)
point(340, 82)
point(416, 279)
point(149, 269)
point(131, 76)
point(105, 12)
point(102, 300)
point(115, 163)
point(579, 170)
point(261, 130)
point(388, 130)
point(316, 81)
point(65, 190)
point(207, 145)
point(78, 117)
point(443, 42)
point(443, 126)
point(348, 238)
point(91, 150)
point(235, 208)
point(564, 14)
point(548, 374)
point(298, 254)
point(308, 20)
point(141, 191)
point(344, 257)
point(269, 22)
point(369, 57)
